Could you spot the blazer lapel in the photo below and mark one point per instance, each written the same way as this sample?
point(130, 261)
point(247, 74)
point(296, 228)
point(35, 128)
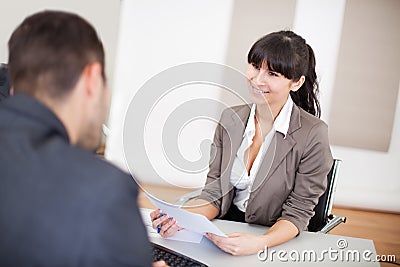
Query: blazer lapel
point(277, 151)
point(234, 129)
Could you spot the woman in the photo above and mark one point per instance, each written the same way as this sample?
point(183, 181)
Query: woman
point(272, 158)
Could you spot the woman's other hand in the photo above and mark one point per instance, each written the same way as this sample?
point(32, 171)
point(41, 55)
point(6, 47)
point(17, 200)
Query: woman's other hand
point(159, 264)
point(239, 243)
point(166, 226)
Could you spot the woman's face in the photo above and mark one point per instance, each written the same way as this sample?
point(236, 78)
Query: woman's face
point(269, 87)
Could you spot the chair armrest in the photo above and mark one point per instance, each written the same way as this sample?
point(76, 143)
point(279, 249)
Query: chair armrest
point(332, 223)
point(186, 197)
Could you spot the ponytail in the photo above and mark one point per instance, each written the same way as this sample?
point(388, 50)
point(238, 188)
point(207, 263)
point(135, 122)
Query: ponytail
point(307, 96)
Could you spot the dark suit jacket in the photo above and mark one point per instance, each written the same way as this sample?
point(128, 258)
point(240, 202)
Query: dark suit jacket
point(4, 82)
point(61, 205)
point(291, 177)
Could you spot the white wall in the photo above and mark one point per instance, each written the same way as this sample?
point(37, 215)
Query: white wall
point(154, 36)
point(371, 179)
point(368, 179)
point(320, 24)
point(103, 15)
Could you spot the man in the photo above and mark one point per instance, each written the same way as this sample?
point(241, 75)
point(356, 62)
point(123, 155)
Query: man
point(60, 205)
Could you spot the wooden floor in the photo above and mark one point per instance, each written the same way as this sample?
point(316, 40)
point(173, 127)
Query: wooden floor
point(382, 228)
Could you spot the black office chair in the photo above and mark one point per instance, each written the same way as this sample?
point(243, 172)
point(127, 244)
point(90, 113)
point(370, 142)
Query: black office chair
point(323, 220)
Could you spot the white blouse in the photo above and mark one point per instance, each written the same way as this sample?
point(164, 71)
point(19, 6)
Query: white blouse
point(239, 177)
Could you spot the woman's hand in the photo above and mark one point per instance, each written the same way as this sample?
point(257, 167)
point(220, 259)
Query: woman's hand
point(167, 225)
point(239, 243)
point(245, 244)
point(159, 264)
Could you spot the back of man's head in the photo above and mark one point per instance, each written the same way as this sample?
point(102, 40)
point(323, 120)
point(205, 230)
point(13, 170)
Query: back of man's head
point(48, 52)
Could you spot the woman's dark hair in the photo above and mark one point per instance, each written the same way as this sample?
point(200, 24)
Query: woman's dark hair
point(49, 50)
point(288, 54)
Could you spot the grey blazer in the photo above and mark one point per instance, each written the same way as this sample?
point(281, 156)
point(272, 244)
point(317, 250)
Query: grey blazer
point(291, 177)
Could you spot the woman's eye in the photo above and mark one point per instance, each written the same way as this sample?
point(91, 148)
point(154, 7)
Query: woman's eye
point(255, 66)
point(271, 73)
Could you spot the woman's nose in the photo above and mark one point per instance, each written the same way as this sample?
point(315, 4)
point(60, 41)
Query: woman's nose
point(260, 78)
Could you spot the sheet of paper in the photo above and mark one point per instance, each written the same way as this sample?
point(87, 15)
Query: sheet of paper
point(183, 235)
point(188, 220)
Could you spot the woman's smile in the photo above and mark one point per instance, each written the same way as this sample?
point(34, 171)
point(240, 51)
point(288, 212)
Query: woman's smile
point(260, 91)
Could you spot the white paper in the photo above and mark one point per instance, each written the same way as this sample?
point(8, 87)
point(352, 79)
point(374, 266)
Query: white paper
point(188, 220)
point(182, 235)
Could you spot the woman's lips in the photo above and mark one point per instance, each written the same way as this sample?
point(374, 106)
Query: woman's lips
point(259, 91)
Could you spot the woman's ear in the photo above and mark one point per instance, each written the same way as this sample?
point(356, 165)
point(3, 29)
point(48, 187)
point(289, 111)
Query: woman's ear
point(296, 85)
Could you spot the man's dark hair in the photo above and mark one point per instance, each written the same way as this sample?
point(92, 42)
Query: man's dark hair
point(49, 50)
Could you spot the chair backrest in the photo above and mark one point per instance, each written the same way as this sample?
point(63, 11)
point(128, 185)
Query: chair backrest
point(324, 207)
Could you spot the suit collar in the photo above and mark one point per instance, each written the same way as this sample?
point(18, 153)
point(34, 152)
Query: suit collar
point(240, 115)
point(282, 121)
point(30, 107)
point(237, 126)
point(276, 152)
point(295, 122)
point(234, 127)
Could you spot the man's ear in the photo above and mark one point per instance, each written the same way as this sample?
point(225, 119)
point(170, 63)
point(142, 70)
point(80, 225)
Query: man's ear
point(296, 85)
point(93, 78)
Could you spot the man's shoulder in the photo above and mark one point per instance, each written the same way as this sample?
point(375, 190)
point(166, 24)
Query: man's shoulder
point(72, 165)
point(89, 164)
point(88, 178)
